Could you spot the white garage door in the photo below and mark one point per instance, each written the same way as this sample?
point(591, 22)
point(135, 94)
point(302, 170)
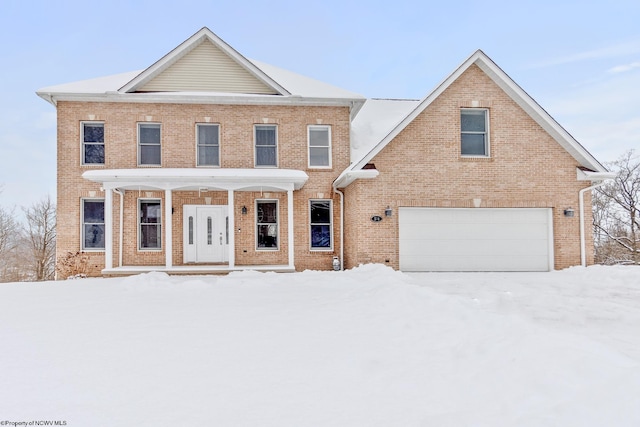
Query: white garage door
point(482, 239)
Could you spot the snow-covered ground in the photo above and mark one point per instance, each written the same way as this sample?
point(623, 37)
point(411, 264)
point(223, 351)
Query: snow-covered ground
point(366, 347)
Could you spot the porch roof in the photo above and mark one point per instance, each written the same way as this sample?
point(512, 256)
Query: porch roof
point(194, 179)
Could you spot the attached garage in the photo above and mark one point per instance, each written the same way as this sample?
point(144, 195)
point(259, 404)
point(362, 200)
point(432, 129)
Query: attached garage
point(481, 239)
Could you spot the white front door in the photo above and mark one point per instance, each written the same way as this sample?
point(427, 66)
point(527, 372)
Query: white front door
point(206, 236)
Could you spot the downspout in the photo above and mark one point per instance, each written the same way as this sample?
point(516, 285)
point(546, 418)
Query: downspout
point(335, 190)
point(120, 232)
point(583, 249)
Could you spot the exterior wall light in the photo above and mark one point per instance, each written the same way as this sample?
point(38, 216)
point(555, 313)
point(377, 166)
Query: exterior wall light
point(388, 211)
point(244, 210)
point(569, 212)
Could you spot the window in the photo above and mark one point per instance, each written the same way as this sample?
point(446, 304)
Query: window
point(267, 224)
point(475, 135)
point(266, 138)
point(92, 224)
point(319, 146)
point(208, 145)
point(92, 143)
point(149, 144)
point(320, 224)
point(149, 230)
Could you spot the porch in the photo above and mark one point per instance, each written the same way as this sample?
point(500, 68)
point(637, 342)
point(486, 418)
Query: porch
point(168, 181)
point(195, 269)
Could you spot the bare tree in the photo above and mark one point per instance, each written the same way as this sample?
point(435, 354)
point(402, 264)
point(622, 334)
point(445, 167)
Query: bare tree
point(9, 237)
point(617, 213)
point(40, 235)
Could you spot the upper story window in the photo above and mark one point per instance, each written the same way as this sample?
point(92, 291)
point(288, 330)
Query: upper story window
point(150, 224)
point(92, 224)
point(92, 143)
point(474, 126)
point(319, 146)
point(266, 145)
point(149, 148)
point(208, 144)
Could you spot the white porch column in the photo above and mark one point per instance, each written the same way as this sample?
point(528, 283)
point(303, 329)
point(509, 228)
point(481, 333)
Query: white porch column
point(232, 229)
point(108, 228)
point(290, 227)
point(168, 229)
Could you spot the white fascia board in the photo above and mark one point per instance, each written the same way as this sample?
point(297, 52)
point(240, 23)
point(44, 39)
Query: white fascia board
point(538, 114)
point(594, 176)
point(195, 178)
point(515, 92)
point(203, 98)
point(348, 176)
point(439, 89)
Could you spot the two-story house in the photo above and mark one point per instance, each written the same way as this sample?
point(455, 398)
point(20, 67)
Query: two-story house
point(210, 162)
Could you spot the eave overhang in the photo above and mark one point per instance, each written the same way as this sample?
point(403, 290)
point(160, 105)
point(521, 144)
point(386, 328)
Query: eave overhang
point(196, 179)
point(586, 175)
point(349, 176)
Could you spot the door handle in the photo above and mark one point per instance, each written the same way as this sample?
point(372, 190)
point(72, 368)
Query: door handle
point(221, 238)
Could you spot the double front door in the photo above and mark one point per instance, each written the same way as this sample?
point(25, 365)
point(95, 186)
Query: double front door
point(206, 234)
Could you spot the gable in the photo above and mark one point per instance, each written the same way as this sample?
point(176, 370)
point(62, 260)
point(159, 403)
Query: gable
point(206, 68)
point(517, 144)
point(513, 91)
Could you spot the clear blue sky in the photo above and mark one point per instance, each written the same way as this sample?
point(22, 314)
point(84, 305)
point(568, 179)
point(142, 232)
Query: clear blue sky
point(579, 59)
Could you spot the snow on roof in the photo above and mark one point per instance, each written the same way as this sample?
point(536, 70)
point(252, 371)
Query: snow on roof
point(98, 85)
point(299, 85)
point(374, 121)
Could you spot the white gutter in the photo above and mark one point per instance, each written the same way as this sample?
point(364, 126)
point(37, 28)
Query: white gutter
point(583, 249)
point(335, 190)
point(600, 178)
point(346, 178)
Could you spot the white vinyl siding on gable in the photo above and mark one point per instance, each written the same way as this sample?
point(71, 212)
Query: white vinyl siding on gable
point(207, 68)
point(319, 141)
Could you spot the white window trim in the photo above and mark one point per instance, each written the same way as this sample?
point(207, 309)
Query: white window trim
point(198, 146)
point(487, 145)
point(82, 200)
point(82, 160)
point(140, 145)
point(140, 248)
point(329, 147)
point(277, 202)
point(255, 147)
point(330, 248)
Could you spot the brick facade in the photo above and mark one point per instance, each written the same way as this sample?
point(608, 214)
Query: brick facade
point(178, 142)
point(423, 166)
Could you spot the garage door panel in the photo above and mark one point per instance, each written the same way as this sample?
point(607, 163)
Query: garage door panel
point(451, 239)
point(461, 247)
